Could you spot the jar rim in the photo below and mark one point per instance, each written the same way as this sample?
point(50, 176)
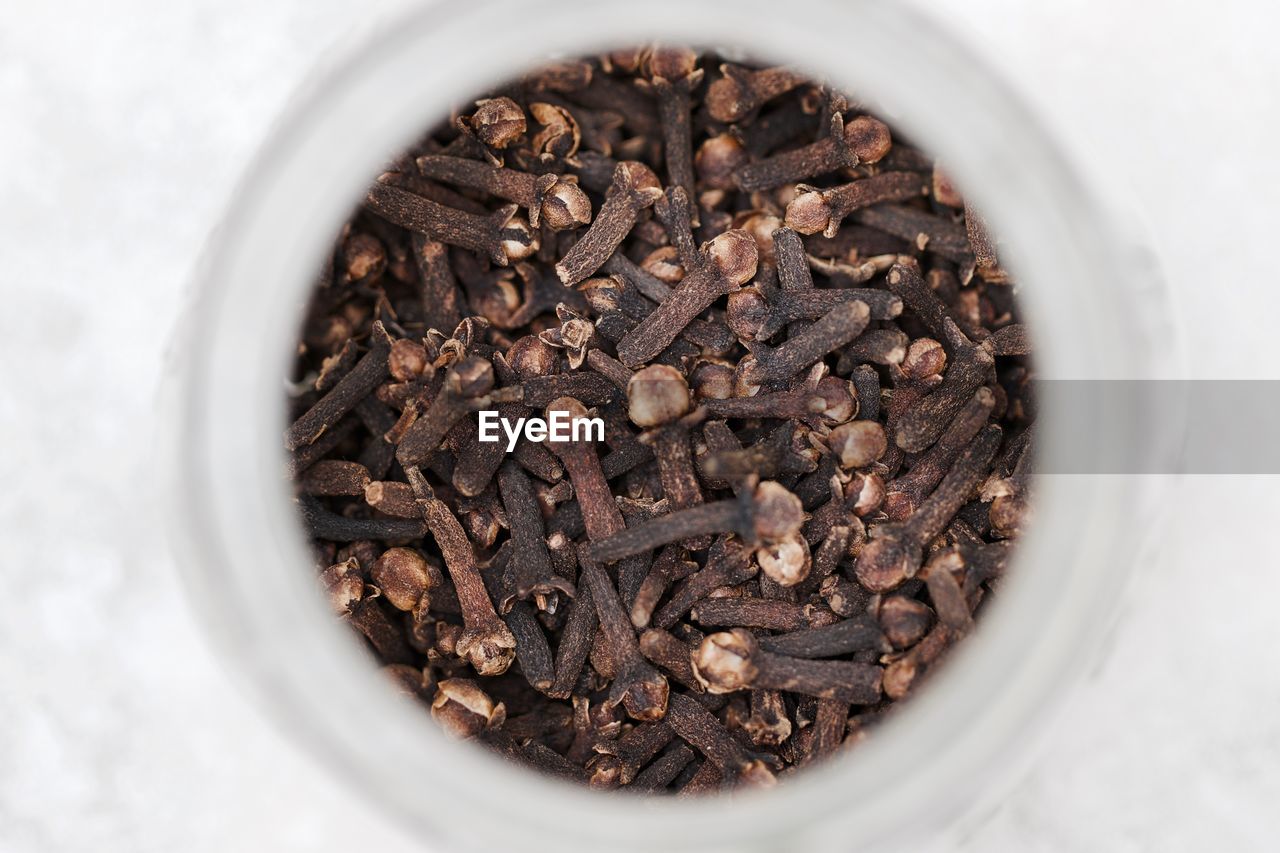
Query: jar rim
point(241, 545)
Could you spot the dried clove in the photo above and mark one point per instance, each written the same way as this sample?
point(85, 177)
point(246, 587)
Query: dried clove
point(552, 198)
point(733, 660)
point(768, 514)
point(863, 140)
point(726, 262)
point(502, 236)
point(634, 188)
point(741, 91)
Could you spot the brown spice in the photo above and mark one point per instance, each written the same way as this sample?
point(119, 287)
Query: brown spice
point(817, 454)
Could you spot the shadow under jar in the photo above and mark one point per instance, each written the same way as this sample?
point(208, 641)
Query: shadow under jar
point(815, 398)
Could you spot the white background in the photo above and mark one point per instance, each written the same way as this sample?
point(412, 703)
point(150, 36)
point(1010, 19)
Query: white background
point(122, 129)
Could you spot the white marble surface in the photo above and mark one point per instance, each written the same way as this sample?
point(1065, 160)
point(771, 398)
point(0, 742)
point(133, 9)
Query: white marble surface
point(123, 128)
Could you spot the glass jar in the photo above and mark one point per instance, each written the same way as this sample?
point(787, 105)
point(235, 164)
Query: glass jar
point(1092, 300)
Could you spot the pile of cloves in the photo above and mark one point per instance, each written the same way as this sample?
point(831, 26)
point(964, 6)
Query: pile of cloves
point(817, 409)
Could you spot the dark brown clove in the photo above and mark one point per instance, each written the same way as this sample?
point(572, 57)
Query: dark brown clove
point(769, 514)
point(466, 389)
point(727, 564)
point(533, 652)
point(904, 620)
point(618, 762)
point(727, 261)
point(530, 560)
point(497, 122)
point(768, 724)
point(487, 643)
point(733, 660)
point(368, 373)
point(704, 733)
point(664, 769)
point(634, 188)
point(863, 140)
point(717, 159)
point(658, 401)
point(741, 91)
point(502, 236)
point(925, 231)
point(669, 566)
point(464, 710)
point(323, 524)
point(837, 327)
point(333, 477)
point(769, 613)
point(907, 490)
point(640, 688)
point(893, 554)
point(672, 77)
point(846, 636)
point(551, 198)
point(813, 210)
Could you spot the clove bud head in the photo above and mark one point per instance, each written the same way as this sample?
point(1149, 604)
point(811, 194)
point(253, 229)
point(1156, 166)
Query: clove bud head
point(517, 240)
point(663, 263)
point(572, 407)
point(671, 63)
point(343, 585)
point(403, 577)
point(646, 698)
point(1008, 514)
point(858, 444)
point(531, 356)
point(839, 399)
point(756, 774)
point(624, 61)
point(724, 661)
point(924, 358)
point(746, 313)
point(718, 158)
point(778, 512)
point(761, 227)
point(566, 206)
point(364, 256)
point(601, 293)
point(464, 710)
point(471, 377)
point(868, 137)
point(560, 134)
point(904, 620)
point(631, 176)
point(713, 380)
point(498, 122)
point(899, 677)
point(808, 212)
point(606, 772)
point(735, 254)
point(656, 395)
point(786, 562)
point(489, 649)
point(727, 100)
point(407, 360)
point(864, 493)
point(883, 564)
